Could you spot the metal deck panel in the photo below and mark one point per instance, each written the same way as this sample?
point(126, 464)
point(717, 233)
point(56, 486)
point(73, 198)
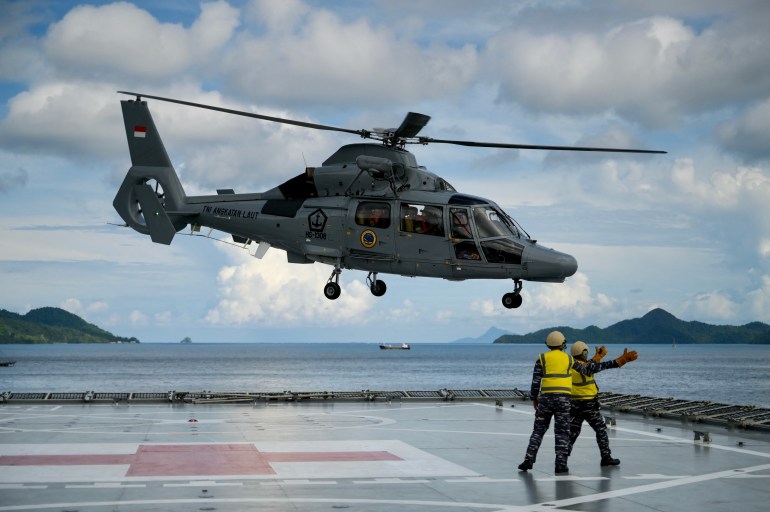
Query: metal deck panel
point(360, 455)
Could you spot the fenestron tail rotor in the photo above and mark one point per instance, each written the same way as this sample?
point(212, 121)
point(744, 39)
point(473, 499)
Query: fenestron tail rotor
point(159, 193)
point(406, 133)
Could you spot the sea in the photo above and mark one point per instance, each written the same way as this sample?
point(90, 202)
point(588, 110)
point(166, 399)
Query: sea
point(730, 374)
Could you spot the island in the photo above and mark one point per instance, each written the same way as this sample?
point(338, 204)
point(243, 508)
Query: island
point(53, 325)
point(657, 326)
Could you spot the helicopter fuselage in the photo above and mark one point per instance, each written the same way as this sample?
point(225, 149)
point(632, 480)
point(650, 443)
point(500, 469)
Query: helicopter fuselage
point(368, 207)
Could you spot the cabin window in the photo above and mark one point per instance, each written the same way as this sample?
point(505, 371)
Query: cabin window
point(423, 219)
point(373, 215)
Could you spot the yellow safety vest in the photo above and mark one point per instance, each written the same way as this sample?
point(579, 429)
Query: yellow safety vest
point(556, 372)
point(583, 386)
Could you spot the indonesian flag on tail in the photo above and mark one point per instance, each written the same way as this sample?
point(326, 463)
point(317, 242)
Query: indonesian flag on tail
point(140, 131)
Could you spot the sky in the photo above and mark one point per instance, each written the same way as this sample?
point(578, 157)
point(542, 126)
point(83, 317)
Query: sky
point(688, 231)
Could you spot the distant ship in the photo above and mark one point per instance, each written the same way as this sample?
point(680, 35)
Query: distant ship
point(403, 346)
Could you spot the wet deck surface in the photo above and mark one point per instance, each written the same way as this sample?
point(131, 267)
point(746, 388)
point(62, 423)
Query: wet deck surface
point(430, 456)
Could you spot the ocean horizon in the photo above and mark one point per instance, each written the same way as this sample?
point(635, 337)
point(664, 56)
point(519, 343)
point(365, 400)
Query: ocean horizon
point(731, 374)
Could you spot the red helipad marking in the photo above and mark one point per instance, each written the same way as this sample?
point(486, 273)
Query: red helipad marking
point(196, 459)
point(65, 460)
point(199, 460)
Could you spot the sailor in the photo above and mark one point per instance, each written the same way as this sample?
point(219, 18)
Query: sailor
point(585, 404)
point(550, 392)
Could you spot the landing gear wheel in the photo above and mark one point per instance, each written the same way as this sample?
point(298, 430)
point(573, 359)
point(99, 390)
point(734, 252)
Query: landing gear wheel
point(332, 291)
point(512, 300)
point(378, 288)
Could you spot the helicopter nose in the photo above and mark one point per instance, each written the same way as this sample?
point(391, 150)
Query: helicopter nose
point(547, 264)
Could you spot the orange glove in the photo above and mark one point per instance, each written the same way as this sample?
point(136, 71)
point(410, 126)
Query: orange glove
point(626, 357)
point(600, 353)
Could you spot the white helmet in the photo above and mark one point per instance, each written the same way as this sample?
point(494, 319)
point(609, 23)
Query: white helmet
point(578, 348)
point(555, 339)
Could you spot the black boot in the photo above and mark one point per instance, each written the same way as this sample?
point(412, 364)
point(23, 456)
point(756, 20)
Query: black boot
point(524, 466)
point(561, 468)
point(609, 461)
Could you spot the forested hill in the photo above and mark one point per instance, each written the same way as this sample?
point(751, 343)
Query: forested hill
point(52, 325)
point(657, 326)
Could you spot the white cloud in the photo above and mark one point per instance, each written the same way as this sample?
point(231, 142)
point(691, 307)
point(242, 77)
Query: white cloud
point(747, 134)
point(758, 300)
point(651, 70)
point(572, 299)
point(574, 296)
point(764, 247)
point(122, 40)
point(74, 306)
point(163, 318)
point(97, 307)
point(712, 305)
point(138, 319)
point(77, 119)
point(215, 150)
point(273, 292)
point(316, 54)
point(740, 188)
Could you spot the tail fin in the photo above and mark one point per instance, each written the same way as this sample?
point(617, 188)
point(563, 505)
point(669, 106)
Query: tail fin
point(151, 187)
point(144, 142)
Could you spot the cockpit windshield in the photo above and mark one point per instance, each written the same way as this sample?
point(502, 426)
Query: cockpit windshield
point(491, 223)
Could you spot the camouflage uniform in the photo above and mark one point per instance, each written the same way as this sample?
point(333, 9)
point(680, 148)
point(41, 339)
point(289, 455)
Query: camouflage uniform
point(556, 405)
point(588, 410)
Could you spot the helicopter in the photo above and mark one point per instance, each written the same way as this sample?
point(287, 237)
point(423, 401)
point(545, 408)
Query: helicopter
point(368, 206)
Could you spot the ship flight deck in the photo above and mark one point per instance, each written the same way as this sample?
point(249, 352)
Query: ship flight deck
point(380, 453)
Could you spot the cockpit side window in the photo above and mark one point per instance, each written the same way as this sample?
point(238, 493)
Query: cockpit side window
point(423, 219)
point(374, 215)
point(460, 224)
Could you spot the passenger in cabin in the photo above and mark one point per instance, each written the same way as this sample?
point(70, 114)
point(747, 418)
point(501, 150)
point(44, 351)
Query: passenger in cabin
point(431, 223)
point(378, 217)
point(460, 226)
point(467, 251)
point(374, 215)
point(408, 218)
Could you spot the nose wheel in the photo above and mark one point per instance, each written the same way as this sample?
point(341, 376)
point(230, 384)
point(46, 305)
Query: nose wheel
point(376, 286)
point(513, 300)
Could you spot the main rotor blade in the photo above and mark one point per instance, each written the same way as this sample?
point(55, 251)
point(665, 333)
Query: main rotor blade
point(428, 140)
point(411, 125)
point(363, 133)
